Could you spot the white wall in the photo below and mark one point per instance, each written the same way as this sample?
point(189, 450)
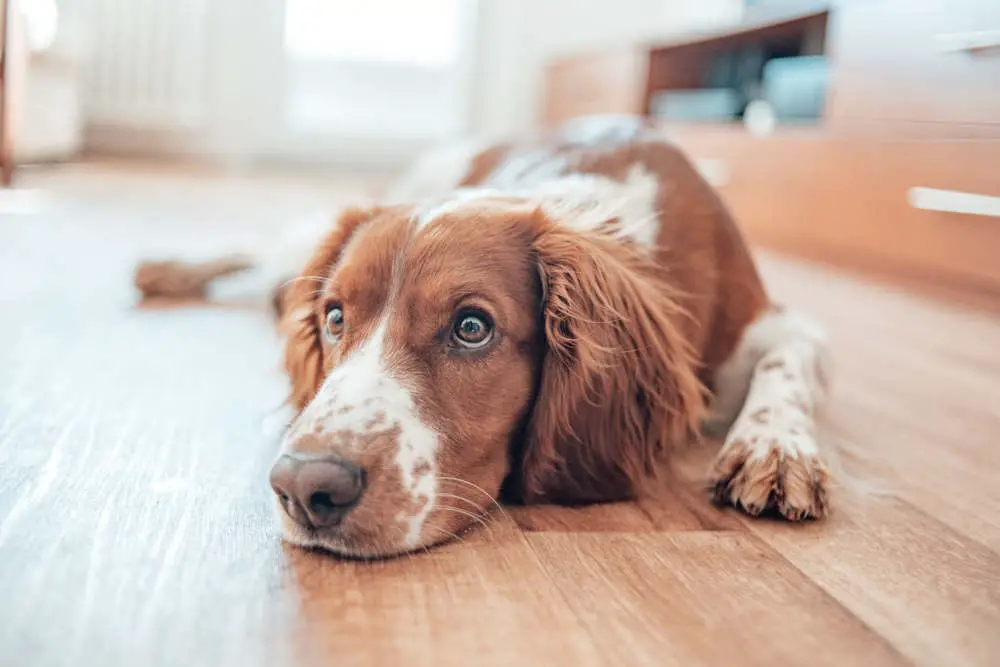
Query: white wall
point(47, 114)
point(212, 79)
point(519, 37)
point(226, 94)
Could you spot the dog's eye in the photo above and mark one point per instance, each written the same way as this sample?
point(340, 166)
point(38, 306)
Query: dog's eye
point(334, 325)
point(472, 330)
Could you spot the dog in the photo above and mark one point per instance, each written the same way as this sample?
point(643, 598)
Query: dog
point(542, 321)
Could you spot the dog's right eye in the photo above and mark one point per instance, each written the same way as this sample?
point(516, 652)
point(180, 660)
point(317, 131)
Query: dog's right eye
point(334, 324)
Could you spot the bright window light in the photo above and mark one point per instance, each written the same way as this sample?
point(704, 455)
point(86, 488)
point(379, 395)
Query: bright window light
point(42, 19)
point(415, 32)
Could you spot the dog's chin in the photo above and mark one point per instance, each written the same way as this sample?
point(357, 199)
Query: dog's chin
point(343, 546)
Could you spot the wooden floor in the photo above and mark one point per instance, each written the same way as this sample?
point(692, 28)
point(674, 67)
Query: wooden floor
point(135, 523)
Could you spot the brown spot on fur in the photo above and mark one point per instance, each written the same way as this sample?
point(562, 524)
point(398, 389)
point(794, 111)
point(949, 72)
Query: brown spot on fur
point(773, 365)
point(378, 419)
point(422, 468)
point(761, 416)
point(799, 403)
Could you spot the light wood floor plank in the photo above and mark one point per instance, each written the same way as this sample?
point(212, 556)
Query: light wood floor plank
point(135, 519)
point(703, 598)
point(930, 591)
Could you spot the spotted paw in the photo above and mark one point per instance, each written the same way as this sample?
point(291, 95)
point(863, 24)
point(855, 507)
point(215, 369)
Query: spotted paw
point(758, 475)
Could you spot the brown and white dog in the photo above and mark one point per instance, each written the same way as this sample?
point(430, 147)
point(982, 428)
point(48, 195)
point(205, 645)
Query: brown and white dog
point(544, 321)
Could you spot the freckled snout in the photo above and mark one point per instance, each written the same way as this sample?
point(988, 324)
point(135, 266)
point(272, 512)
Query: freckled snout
point(317, 491)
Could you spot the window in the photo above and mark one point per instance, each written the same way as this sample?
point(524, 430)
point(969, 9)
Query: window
point(422, 33)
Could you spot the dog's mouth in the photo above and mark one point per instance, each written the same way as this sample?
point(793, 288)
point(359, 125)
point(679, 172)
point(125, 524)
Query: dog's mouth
point(359, 539)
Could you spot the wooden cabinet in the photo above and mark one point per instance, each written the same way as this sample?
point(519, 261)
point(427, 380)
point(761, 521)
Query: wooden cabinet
point(862, 200)
point(902, 176)
point(609, 82)
point(927, 60)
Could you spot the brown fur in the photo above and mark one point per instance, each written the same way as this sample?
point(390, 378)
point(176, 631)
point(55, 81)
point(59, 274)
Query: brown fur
point(300, 322)
point(792, 485)
point(617, 384)
point(474, 404)
point(627, 336)
point(605, 346)
point(619, 387)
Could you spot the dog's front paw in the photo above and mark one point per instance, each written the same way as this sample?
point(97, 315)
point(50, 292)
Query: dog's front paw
point(763, 473)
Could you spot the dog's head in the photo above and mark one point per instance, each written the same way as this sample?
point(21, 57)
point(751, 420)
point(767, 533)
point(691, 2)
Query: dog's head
point(437, 356)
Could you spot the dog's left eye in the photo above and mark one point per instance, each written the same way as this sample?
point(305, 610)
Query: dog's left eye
point(472, 330)
point(334, 324)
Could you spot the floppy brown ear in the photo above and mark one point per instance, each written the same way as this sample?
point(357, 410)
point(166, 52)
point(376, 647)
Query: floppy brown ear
point(619, 385)
point(298, 319)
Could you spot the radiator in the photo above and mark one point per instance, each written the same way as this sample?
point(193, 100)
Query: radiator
point(147, 63)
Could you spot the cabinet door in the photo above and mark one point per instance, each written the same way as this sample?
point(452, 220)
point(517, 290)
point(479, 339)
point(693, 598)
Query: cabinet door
point(599, 83)
point(923, 208)
point(917, 60)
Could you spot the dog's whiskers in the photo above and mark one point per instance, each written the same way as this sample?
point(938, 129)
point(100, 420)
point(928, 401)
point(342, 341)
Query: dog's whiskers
point(298, 278)
point(445, 478)
point(462, 498)
point(478, 518)
point(450, 534)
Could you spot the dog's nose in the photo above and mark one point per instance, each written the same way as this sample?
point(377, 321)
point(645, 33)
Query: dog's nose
point(317, 492)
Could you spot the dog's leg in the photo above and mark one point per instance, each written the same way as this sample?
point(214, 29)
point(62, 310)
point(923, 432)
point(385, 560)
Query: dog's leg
point(266, 265)
point(771, 458)
point(178, 279)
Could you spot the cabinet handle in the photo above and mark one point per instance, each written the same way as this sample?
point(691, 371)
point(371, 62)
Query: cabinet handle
point(953, 201)
point(975, 42)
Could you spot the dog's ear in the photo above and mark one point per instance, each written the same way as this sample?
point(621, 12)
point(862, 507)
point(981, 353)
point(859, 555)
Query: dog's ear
point(619, 385)
point(299, 320)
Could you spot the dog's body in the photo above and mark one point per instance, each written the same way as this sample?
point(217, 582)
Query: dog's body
point(543, 316)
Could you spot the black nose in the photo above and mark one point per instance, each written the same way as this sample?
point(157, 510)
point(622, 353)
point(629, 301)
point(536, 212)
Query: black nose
point(317, 491)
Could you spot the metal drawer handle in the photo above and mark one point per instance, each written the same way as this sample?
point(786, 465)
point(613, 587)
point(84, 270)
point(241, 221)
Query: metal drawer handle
point(953, 201)
point(977, 41)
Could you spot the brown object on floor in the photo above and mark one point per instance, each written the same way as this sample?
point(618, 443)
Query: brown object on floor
point(185, 280)
point(136, 525)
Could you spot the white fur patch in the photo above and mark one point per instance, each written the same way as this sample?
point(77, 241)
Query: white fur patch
point(362, 396)
point(772, 386)
point(580, 201)
point(458, 200)
point(435, 173)
point(778, 413)
point(528, 169)
point(586, 201)
point(769, 333)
